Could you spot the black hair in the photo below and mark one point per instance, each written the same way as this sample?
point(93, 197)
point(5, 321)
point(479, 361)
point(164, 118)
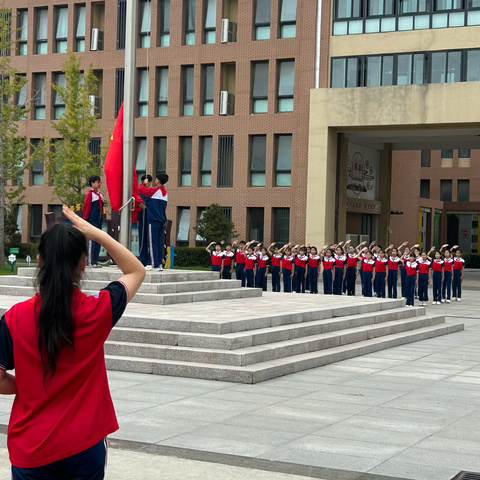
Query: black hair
point(146, 177)
point(93, 178)
point(218, 243)
point(242, 241)
point(61, 249)
point(162, 178)
point(228, 245)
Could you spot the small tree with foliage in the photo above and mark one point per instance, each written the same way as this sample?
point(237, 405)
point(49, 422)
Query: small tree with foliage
point(12, 146)
point(70, 160)
point(214, 226)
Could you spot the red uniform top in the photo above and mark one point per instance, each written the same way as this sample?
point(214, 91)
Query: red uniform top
point(313, 261)
point(437, 265)
point(405, 259)
point(250, 261)
point(368, 265)
point(301, 260)
point(227, 258)
point(287, 262)
point(411, 268)
point(352, 260)
point(262, 260)
point(217, 258)
point(340, 261)
point(458, 263)
point(276, 257)
point(381, 265)
point(393, 262)
point(328, 263)
point(239, 256)
point(448, 264)
point(73, 410)
point(423, 265)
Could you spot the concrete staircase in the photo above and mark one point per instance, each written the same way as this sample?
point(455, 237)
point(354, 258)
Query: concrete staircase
point(244, 337)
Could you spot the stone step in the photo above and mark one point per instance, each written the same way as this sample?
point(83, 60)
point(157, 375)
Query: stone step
point(275, 368)
point(271, 351)
point(232, 341)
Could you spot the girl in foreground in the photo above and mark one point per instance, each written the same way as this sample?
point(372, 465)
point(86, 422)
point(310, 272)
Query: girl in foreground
point(63, 410)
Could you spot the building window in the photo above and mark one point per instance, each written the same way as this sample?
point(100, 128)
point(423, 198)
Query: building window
point(185, 161)
point(39, 95)
point(22, 32)
point(473, 65)
point(206, 161)
point(187, 75)
point(210, 8)
point(145, 22)
point(189, 13)
point(17, 213)
point(95, 149)
point(141, 158)
point(119, 89)
point(424, 188)
point(255, 223)
point(463, 191)
point(183, 227)
point(160, 154)
point(38, 157)
point(286, 84)
point(464, 153)
point(446, 190)
point(283, 160)
point(35, 223)
point(260, 87)
point(426, 158)
point(281, 225)
point(121, 23)
point(225, 161)
point(80, 11)
point(288, 19)
point(258, 155)
point(21, 97)
point(41, 35)
point(208, 88)
point(262, 19)
point(447, 153)
point(162, 102)
point(143, 92)
point(61, 33)
point(164, 23)
point(58, 101)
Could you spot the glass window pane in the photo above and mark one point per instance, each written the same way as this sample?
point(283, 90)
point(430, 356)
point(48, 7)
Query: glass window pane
point(284, 153)
point(145, 17)
point(143, 85)
point(260, 80)
point(375, 7)
point(80, 31)
point(373, 71)
point(62, 23)
point(447, 153)
point(286, 78)
point(387, 77)
point(262, 12)
point(355, 27)
point(188, 84)
point(464, 153)
point(61, 81)
point(463, 191)
point(208, 82)
point(439, 60)
point(408, 6)
point(40, 87)
point(163, 84)
point(404, 70)
point(439, 20)
point(183, 225)
point(164, 17)
point(473, 65)
point(454, 67)
point(352, 72)
point(258, 153)
point(141, 158)
point(372, 25)
point(161, 154)
point(446, 190)
point(210, 13)
point(190, 15)
point(338, 73)
point(422, 22)
point(42, 24)
point(418, 65)
point(388, 25)
point(405, 23)
point(473, 18)
point(340, 28)
point(288, 12)
point(456, 19)
point(23, 24)
point(344, 8)
point(206, 154)
point(186, 154)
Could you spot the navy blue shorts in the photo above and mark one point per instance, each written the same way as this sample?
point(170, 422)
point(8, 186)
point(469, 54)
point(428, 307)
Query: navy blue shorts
point(87, 465)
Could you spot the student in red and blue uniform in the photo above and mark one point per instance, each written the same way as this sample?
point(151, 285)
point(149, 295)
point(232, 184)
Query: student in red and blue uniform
point(424, 278)
point(240, 261)
point(368, 266)
point(262, 268)
point(63, 409)
point(328, 263)
point(411, 279)
point(437, 268)
point(228, 256)
point(250, 267)
point(93, 214)
point(393, 263)
point(447, 277)
point(458, 263)
point(142, 226)
point(381, 265)
point(313, 269)
point(340, 263)
point(216, 257)
point(287, 270)
point(403, 272)
point(155, 199)
point(301, 260)
point(276, 267)
point(351, 274)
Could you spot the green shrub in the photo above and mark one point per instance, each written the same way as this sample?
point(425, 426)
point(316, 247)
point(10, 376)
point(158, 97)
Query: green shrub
point(472, 260)
point(25, 249)
point(189, 257)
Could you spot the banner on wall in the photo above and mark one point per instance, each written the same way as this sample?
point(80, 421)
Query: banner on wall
point(362, 172)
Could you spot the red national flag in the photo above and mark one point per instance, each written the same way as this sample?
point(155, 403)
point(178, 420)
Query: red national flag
point(114, 166)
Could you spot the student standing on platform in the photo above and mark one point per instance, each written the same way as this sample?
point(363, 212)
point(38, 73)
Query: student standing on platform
point(216, 257)
point(240, 261)
point(142, 225)
point(458, 263)
point(340, 262)
point(381, 265)
point(411, 272)
point(287, 270)
point(351, 274)
point(447, 277)
point(301, 260)
point(437, 268)
point(403, 272)
point(228, 256)
point(368, 265)
point(63, 410)
point(93, 214)
point(250, 266)
point(262, 268)
point(276, 267)
point(328, 263)
point(393, 262)
point(313, 270)
point(424, 278)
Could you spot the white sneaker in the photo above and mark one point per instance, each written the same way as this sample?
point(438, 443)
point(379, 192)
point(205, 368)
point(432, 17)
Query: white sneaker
point(159, 269)
point(443, 300)
point(459, 299)
point(148, 267)
point(448, 301)
point(434, 303)
point(454, 299)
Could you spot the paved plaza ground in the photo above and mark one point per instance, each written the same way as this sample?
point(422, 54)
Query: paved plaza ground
point(410, 412)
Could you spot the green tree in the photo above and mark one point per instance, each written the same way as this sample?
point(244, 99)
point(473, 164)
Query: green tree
point(214, 226)
point(12, 145)
point(70, 161)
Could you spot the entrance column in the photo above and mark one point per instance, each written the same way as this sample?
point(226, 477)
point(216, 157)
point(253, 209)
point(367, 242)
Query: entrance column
point(384, 195)
point(341, 190)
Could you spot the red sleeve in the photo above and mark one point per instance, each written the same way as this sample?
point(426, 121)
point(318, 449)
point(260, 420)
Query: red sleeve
point(149, 191)
point(87, 203)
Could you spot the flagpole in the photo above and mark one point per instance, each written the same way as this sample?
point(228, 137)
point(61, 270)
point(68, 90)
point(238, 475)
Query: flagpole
point(128, 123)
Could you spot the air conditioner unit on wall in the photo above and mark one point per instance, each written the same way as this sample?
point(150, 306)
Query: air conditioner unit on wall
point(227, 101)
point(229, 31)
point(96, 104)
point(96, 42)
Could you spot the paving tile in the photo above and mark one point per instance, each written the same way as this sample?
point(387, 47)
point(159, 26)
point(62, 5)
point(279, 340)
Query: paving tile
point(414, 471)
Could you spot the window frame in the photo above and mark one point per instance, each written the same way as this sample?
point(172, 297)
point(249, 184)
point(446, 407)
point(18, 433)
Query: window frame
point(143, 90)
point(257, 177)
point(262, 26)
point(284, 97)
point(80, 18)
point(261, 85)
point(41, 42)
point(186, 153)
point(22, 26)
point(162, 85)
point(282, 171)
point(205, 163)
point(61, 41)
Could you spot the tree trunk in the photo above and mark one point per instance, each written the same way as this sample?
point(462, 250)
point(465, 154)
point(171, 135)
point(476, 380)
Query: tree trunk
point(2, 199)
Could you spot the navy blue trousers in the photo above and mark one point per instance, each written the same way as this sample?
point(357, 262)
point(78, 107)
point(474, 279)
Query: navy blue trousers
point(143, 256)
point(392, 283)
point(261, 279)
point(350, 278)
point(313, 279)
point(447, 285)
point(338, 282)
point(327, 281)
point(367, 284)
point(457, 283)
point(227, 272)
point(423, 287)
point(86, 465)
point(275, 279)
point(403, 278)
point(361, 281)
point(380, 284)
point(155, 240)
point(299, 279)
point(240, 272)
point(287, 280)
point(217, 268)
point(250, 277)
point(93, 249)
point(410, 288)
point(437, 286)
